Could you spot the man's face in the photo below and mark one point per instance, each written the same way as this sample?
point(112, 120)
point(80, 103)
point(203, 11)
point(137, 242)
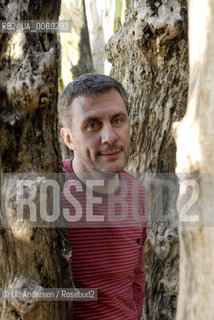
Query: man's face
point(100, 132)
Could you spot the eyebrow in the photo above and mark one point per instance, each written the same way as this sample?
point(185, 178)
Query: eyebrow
point(94, 118)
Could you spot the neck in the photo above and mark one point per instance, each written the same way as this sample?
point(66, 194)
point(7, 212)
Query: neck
point(110, 181)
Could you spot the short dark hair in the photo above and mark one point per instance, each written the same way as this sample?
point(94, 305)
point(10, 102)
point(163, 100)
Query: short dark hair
point(88, 84)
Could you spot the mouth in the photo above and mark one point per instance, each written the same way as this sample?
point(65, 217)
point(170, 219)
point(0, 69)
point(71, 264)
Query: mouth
point(110, 154)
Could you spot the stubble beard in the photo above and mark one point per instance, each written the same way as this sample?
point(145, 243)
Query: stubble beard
point(111, 172)
point(99, 171)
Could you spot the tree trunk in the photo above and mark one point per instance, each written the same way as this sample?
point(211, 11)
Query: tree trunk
point(30, 257)
point(149, 56)
point(76, 56)
point(195, 159)
point(100, 20)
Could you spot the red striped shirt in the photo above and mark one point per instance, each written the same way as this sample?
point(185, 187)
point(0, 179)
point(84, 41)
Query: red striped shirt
point(108, 255)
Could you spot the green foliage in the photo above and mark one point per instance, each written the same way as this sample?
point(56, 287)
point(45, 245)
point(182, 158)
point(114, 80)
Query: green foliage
point(117, 15)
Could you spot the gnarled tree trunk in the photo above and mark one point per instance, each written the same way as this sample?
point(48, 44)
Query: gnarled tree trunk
point(30, 257)
point(149, 56)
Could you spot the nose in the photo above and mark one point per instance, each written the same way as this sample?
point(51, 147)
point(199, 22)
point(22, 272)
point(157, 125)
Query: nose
point(108, 135)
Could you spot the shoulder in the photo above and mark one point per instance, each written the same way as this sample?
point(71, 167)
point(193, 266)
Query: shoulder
point(67, 164)
point(138, 194)
point(130, 179)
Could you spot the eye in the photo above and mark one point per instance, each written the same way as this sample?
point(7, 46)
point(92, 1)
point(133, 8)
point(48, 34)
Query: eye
point(92, 125)
point(117, 120)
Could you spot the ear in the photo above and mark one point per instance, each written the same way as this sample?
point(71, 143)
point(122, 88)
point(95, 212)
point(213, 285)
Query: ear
point(67, 137)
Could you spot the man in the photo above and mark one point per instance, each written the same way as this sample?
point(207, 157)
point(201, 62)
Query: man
point(108, 245)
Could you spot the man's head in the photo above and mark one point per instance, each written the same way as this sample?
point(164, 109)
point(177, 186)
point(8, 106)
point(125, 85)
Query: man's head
point(93, 110)
point(88, 84)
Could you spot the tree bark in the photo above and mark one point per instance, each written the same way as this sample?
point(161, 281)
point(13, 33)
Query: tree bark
point(30, 257)
point(149, 56)
point(195, 160)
